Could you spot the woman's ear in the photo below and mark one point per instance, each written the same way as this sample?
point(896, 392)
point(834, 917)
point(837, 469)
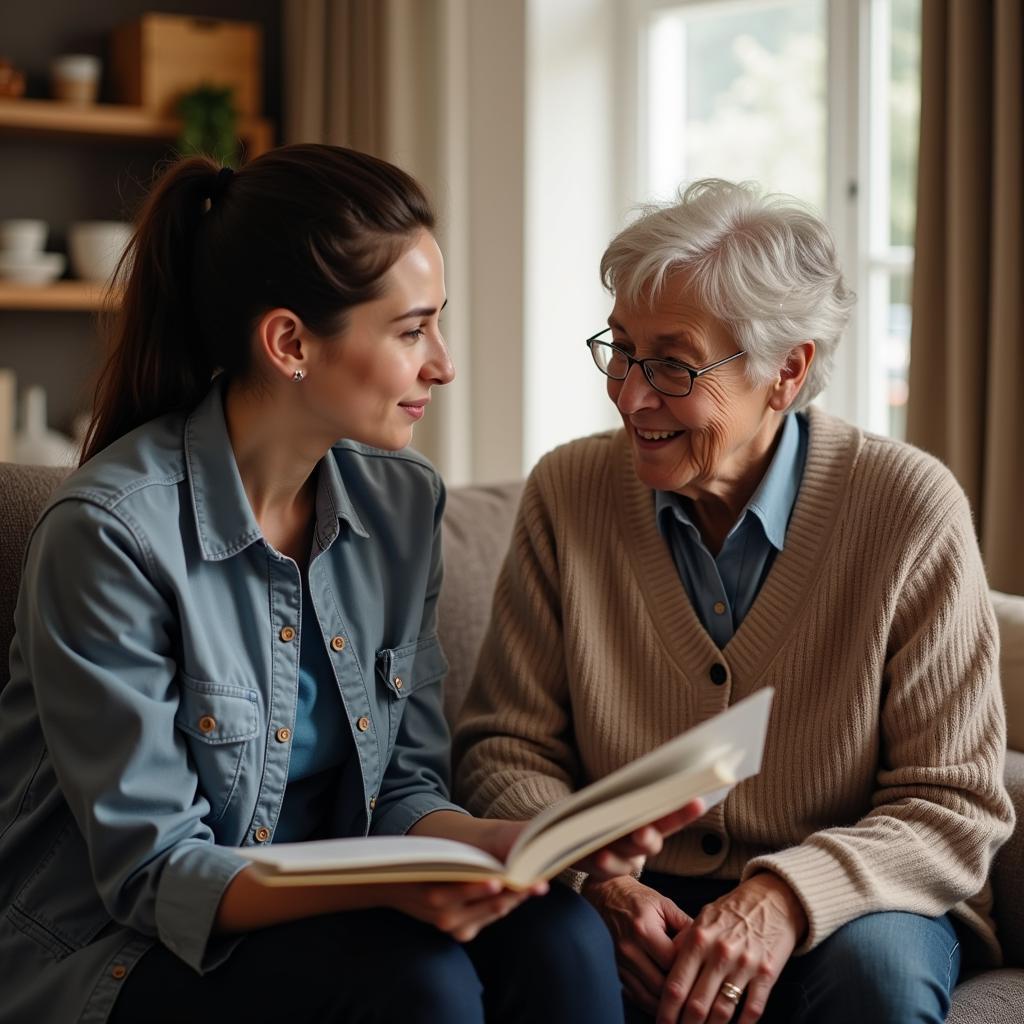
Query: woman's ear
point(280, 344)
point(791, 376)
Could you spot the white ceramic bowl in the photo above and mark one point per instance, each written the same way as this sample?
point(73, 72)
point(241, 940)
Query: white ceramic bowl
point(32, 268)
point(95, 246)
point(23, 236)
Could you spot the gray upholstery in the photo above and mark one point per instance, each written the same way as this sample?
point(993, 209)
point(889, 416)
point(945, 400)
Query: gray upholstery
point(478, 523)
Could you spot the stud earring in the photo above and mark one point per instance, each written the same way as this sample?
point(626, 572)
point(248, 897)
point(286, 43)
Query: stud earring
point(298, 375)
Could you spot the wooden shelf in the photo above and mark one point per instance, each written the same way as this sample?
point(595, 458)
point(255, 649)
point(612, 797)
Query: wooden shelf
point(110, 120)
point(69, 295)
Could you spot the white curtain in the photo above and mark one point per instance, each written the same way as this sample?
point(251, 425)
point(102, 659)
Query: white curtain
point(437, 87)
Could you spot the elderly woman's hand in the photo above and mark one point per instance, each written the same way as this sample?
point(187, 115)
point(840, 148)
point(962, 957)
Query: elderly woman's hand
point(642, 923)
point(742, 941)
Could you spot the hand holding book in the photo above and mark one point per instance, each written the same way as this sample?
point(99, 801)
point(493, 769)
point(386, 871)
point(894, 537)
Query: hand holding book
point(703, 763)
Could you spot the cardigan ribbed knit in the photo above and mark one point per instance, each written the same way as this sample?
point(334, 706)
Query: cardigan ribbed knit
point(881, 786)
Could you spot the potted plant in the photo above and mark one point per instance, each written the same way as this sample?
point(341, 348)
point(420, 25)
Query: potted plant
point(209, 124)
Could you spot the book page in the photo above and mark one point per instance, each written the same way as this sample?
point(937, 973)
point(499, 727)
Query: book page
point(359, 853)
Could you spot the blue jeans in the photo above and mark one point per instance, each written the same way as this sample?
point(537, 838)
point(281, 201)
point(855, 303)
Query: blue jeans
point(551, 959)
point(886, 968)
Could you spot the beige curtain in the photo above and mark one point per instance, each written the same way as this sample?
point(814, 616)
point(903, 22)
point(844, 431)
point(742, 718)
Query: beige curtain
point(437, 87)
point(335, 72)
point(967, 343)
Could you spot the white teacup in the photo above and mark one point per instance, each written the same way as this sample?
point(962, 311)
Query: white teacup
point(23, 237)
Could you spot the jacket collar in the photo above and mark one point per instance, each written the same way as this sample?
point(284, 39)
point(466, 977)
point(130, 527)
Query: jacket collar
point(224, 520)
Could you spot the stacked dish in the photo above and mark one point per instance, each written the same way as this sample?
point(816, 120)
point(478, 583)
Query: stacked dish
point(22, 258)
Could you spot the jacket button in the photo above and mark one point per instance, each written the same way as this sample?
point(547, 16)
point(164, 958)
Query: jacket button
point(118, 971)
point(398, 682)
point(711, 844)
point(373, 802)
point(719, 607)
point(338, 643)
point(283, 734)
point(261, 835)
point(363, 724)
point(287, 634)
point(718, 673)
point(207, 724)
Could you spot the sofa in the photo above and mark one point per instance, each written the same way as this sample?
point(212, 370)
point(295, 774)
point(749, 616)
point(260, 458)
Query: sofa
point(477, 527)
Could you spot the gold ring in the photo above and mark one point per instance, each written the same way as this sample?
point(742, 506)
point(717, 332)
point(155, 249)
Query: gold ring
point(730, 991)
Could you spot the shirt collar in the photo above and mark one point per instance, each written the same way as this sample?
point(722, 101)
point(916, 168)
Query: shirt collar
point(224, 519)
point(773, 500)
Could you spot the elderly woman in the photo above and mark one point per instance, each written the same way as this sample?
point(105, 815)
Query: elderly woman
point(728, 538)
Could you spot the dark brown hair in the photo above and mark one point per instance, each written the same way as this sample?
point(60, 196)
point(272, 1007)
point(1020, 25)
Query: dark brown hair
point(309, 228)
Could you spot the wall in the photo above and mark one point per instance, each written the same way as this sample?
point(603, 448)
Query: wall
point(64, 180)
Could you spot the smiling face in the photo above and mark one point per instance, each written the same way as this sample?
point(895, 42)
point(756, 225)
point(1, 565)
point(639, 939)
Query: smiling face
point(716, 440)
point(373, 382)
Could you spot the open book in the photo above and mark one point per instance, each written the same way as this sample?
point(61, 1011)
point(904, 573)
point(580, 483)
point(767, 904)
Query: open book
point(705, 762)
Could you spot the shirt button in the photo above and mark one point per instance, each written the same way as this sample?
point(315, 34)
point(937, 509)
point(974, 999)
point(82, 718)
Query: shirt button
point(711, 844)
point(261, 835)
point(718, 673)
point(283, 735)
point(207, 724)
point(719, 607)
point(287, 634)
point(363, 724)
point(398, 682)
point(338, 643)
point(118, 971)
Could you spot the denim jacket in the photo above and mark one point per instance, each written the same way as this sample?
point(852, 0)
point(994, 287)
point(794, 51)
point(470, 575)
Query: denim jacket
point(154, 672)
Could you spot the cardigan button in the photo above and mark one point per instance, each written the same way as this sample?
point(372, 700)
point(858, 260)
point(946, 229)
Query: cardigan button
point(718, 673)
point(711, 844)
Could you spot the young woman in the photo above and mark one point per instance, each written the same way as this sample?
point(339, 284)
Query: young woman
point(226, 636)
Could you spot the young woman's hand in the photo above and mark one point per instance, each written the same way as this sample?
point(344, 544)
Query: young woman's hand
point(642, 923)
point(627, 856)
point(461, 909)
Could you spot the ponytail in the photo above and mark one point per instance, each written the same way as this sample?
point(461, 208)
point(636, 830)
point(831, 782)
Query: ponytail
point(308, 228)
point(157, 362)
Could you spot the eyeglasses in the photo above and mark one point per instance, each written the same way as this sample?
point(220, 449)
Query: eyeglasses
point(665, 375)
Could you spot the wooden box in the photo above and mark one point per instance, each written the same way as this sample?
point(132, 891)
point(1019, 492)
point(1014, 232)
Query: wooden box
point(157, 57)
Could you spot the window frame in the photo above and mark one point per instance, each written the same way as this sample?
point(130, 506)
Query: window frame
point(857, 178)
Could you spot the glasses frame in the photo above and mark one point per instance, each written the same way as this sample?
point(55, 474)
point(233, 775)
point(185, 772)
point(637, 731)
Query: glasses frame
point(645, 364)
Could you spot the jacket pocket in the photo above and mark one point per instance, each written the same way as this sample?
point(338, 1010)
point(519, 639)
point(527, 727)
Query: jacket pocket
point(405, 670)
point(217, 721)
point(58, 905)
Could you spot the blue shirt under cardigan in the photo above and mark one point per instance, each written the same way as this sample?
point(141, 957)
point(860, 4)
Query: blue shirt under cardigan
point(146, 729)
point(723, 589)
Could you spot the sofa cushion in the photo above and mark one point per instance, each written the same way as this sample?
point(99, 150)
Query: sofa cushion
point(477, 529)
point(24, 490)
point(1010, 613)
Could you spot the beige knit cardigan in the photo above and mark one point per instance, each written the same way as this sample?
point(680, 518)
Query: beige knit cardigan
point(881, 786)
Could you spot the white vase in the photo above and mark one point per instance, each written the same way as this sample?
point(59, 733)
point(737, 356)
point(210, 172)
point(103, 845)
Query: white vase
point(35, 444)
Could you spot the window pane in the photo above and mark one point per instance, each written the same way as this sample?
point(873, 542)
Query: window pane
point(897, 352)
point(904, 111)
point(737, 91)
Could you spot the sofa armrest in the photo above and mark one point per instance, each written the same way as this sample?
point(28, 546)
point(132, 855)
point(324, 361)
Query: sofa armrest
point(1008, 870)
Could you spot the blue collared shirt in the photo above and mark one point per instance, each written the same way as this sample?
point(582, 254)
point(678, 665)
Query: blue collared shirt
point(723, 589)
point(147, 727)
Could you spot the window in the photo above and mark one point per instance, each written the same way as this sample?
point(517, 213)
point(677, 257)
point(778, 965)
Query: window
point(812, 98)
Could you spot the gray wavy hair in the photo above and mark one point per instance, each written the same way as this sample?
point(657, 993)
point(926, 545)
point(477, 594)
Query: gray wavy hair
point(764, 264)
